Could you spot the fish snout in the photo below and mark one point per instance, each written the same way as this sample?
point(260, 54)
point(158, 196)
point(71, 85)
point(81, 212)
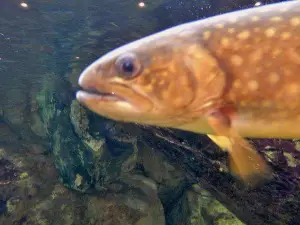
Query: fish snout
point(88, 78)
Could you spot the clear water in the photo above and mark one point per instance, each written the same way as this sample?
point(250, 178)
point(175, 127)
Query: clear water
point(62, 164)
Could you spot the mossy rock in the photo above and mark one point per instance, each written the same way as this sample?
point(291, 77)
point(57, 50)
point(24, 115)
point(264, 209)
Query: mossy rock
point(199, 207)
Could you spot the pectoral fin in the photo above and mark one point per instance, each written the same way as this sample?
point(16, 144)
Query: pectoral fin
point(244, 161)
point(222, 141)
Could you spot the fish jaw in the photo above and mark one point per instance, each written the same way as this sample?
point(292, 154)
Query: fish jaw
point(106, 105)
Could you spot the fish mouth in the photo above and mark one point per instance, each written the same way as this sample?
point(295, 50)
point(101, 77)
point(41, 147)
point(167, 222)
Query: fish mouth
point(115, 101)
point(90, 93)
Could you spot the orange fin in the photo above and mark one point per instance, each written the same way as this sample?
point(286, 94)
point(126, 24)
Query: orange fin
point(244, 161)
point(222, 141)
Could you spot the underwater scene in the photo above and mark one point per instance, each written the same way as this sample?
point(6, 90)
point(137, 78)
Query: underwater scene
point(154, 112)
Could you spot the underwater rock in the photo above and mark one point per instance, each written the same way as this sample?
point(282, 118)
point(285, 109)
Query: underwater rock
point(80, 123)
point(170, 179)
point(197, 206)
point(66, 146)
point(46, 101)
point(136, 205)
point(37, 125)
point(25, 177)
point(30, 193)
point(55, 210)
point(86, 157)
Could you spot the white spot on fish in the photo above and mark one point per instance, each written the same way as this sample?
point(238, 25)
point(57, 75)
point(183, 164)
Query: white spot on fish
point(253, 85)
point(231, 30)
point(220, 25)
point(295, 21)
point(276, 19)
point(255, 18)
point(270, 32)
point(243, 35)
point(274, 78)
point(256, 56)
point(237, 84)
point(206, 35)
point(285, 9)
point(285, 35)
point(236, 60)
point(233, 19)
point(225, 42)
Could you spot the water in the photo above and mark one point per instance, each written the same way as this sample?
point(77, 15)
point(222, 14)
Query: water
point(62, 164)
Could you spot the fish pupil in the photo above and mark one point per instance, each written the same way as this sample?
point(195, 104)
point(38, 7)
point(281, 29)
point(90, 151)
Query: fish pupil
point(128, 66)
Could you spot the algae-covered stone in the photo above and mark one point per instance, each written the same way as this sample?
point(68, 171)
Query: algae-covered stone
point(11, 205)
point(80, 123)
point(23, 175)
point(199, 207)
point(46, 101)
point(86, 156)
point(37, 125)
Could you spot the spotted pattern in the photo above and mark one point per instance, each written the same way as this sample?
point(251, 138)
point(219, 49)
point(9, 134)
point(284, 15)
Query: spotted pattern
point(260, 51)
point(270, 32)
point(244, 35)
point(236, 60)
point(285, 36)
point(164, 84)
point(295, 21)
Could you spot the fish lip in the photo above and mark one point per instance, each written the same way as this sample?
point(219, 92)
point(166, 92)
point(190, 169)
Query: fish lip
point(99, 95)
point(110, 95)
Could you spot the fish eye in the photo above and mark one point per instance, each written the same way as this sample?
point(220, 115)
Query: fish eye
point(128, 65)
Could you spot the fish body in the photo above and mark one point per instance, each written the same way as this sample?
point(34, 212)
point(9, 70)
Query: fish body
point(230, 76)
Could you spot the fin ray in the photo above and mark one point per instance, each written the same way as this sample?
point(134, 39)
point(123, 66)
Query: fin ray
point(244, 161)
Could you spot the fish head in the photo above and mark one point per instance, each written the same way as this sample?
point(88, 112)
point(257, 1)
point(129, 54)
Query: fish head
point(158, 80)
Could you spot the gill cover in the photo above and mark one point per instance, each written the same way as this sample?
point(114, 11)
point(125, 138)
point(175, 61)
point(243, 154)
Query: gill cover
point(211, 80)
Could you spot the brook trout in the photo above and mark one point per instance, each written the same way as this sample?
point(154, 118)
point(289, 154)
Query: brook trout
point(231, 76)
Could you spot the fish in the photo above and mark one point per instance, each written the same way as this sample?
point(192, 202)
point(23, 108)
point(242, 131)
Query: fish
point(232, 77)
